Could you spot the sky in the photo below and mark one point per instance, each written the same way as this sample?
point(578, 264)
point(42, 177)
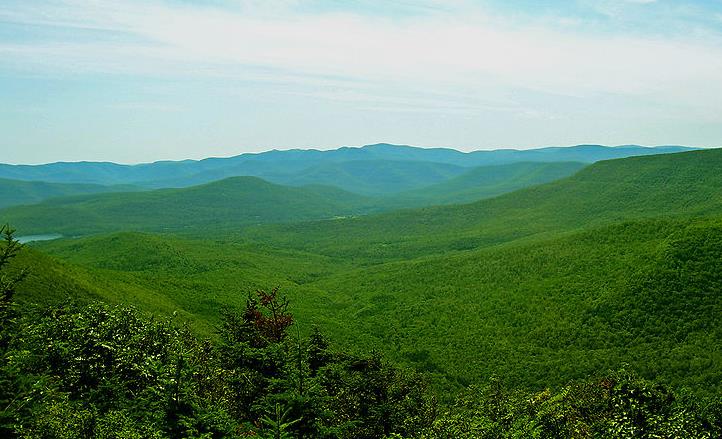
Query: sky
point(138, 81)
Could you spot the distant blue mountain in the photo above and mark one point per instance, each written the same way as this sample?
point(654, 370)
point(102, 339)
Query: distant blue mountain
point(371, 169)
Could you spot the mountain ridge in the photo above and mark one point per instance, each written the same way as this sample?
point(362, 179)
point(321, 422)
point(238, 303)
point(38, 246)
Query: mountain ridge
point(296, 160)
point(231, 202)
point(604, 192)
point(20, 192)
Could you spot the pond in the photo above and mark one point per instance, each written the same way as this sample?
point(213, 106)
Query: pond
point(31, 238)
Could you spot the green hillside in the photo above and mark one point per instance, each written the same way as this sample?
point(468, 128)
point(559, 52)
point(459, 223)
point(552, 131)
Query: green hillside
point(619, 263)
point(684, 184)
point(536, 314)
point(190, 208)
point(51, 281)
point(163, 274)
point(222, 205)
point(644, 293)
point(487, 182)
point(374, 177)
point(16, 192)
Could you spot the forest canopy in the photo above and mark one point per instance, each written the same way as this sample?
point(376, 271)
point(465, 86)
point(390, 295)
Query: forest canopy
point(96, 370)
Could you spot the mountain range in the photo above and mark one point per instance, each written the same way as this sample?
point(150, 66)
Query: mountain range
point(539, 282)
point(401, 172)
point(285, 166)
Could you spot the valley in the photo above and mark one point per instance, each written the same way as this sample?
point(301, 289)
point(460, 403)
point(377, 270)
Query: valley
point(428, 219)
point(539, 286)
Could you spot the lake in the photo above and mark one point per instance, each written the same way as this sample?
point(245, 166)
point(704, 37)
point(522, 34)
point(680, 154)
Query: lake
point(32, 238)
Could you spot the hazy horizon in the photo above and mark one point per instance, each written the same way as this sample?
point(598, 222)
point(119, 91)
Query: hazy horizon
point(139, 81)
point(180, 159)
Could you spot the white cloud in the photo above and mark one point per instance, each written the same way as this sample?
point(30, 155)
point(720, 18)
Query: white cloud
point(144, 106)
point(439, 52)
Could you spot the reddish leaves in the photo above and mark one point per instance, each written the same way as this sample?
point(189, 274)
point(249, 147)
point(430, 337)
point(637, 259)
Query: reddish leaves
point(268, 315)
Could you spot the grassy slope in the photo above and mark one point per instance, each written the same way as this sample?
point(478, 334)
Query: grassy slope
point(16, 192)
point(226, 204)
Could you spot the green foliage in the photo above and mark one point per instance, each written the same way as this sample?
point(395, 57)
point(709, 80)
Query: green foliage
point(9, 249)
point(677, 185)
point(100, 371)
point(16, 192)
point(111, 360)
point(113, 373)
point(486, 182)
point(617, 264)
point(537, 312)
point(373, 399)
point(277, 425)
point(224, 205)
point(620, 405)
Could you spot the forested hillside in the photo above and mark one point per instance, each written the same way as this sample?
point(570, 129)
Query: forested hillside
point(536, 313)
point(16, 192)
point(570, 306)
point(241, 201)
point(214, 222)
point(678, 185)
point(462, 272)
point(223, 205)
point(375, 177)
point(102, 371)
point(486, 182)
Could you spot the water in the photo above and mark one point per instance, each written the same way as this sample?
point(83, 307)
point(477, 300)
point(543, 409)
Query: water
point(32, 238)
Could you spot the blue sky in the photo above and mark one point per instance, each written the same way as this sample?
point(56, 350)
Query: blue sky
point(136, 81)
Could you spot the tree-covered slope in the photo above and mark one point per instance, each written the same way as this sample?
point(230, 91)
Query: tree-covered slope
point(486, 182)
point(616, 264)
point(391, 161)
point(164, 274)
point(190, 208)
point(226, 204)
point(17, 192)
point(96, 370)
point(51, 281)
point(374, 177)
point(645, 293)
point(112, 371)
point(683, 184)
point(535, 313)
